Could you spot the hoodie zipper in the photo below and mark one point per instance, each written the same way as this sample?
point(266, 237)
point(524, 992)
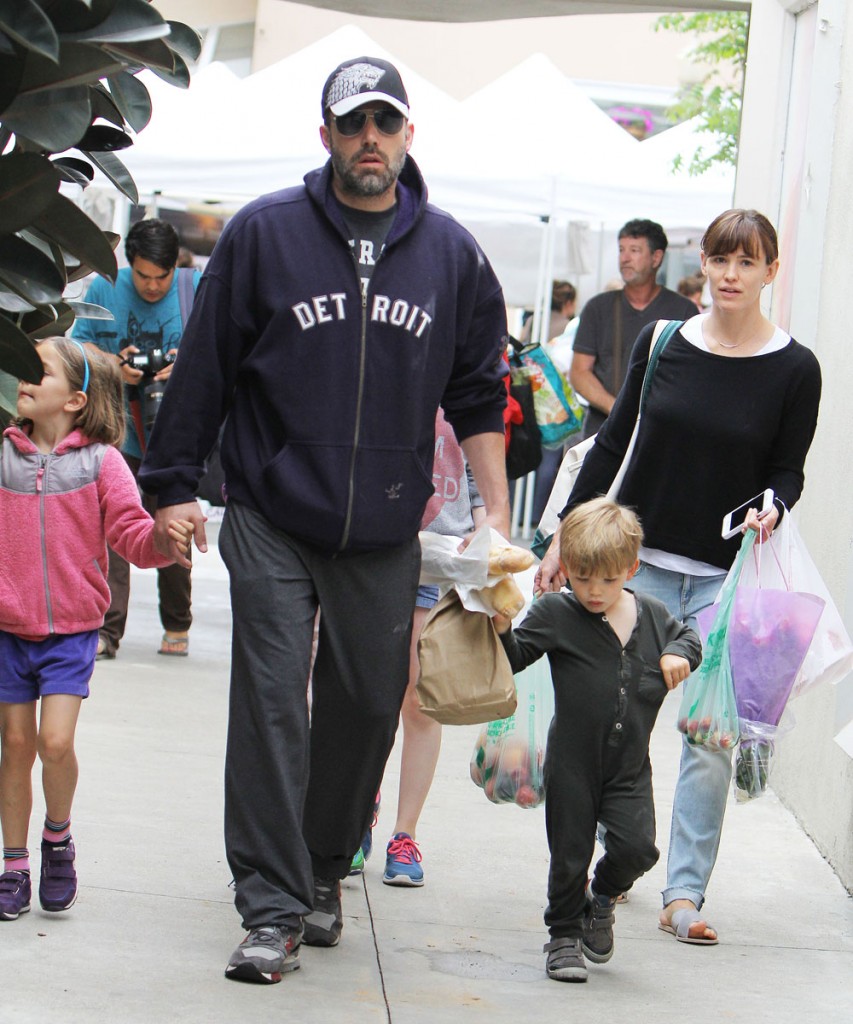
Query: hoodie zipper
point(362, 359)
point(41, 489)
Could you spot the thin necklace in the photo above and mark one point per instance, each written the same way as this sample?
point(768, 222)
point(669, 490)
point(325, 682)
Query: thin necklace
point(724, 344)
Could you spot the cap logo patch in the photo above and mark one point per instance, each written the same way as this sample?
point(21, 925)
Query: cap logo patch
point(352, 80)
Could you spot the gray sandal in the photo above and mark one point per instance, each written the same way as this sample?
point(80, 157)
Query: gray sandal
point(680, 923)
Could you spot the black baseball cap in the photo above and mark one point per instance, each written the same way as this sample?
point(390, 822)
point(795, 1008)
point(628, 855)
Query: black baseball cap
point(360, 81)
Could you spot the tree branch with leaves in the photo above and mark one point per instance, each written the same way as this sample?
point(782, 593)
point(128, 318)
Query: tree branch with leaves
point(716, 99)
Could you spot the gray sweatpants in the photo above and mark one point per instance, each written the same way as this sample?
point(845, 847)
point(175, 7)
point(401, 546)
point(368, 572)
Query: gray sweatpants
point(299, 799)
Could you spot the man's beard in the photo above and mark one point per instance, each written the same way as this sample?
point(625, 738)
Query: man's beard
point(365, 184)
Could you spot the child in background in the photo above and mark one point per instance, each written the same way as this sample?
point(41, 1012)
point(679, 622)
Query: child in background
point(613, 656)
point(64, 493)
point(455, 510)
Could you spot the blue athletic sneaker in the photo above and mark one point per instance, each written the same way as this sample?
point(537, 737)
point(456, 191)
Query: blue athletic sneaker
point(403, 862)
point(366, 848)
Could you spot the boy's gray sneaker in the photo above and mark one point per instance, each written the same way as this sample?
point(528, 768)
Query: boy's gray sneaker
point(264, 955)
point(565, 960)
point(323, 926)
point(598, 926)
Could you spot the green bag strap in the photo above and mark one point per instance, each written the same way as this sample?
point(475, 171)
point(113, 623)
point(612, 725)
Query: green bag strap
point(663, 340)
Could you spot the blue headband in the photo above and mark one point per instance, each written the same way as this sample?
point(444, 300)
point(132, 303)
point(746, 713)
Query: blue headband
point(74, 341)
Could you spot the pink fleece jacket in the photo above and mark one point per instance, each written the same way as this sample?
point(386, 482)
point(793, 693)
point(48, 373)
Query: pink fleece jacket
point(58, 512)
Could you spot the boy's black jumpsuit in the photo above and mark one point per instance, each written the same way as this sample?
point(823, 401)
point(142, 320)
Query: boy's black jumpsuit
point(597, 766)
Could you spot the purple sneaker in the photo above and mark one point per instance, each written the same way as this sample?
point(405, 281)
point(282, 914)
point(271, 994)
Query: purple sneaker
point(15, 893)
point(58, 883)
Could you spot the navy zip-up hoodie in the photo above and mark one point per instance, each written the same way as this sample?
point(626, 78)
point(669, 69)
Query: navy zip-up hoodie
point(331, 397)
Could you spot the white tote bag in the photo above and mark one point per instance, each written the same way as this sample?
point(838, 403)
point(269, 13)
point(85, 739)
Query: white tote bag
point(573, 459)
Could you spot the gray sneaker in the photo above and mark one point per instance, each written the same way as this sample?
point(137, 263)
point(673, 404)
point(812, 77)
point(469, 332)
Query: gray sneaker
point(264, 955)
point(598, 926)
point(565, 960)
point(323, 926)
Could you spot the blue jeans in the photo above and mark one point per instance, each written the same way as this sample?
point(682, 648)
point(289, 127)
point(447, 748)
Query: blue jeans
point(702, 790)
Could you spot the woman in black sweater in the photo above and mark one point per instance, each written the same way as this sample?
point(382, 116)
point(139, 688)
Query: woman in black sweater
point(732, 410)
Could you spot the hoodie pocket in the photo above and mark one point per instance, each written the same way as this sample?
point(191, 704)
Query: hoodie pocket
point(306, 491)
point(390, 495)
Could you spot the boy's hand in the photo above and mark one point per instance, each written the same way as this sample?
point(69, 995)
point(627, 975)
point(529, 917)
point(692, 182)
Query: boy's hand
point(181, 532)
point(502, 623)
point(675, 669)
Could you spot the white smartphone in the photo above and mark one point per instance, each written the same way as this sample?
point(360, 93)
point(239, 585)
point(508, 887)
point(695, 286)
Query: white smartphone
point(733, 521)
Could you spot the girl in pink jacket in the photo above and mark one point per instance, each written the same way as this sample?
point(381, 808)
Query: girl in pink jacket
point(65, 492)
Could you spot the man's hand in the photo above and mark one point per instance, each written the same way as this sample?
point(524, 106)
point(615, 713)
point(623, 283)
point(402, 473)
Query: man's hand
point(189, 512)
point(587, 385)
point(549, 575)
point(128, 373)
point(493, 520)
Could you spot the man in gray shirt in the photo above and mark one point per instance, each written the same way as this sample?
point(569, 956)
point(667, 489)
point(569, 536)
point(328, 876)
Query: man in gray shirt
point(611, 321)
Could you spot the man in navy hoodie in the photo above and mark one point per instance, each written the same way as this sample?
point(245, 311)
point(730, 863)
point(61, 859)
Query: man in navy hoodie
point(332, 320)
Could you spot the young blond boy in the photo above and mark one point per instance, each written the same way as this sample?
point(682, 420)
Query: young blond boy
point(613, 656)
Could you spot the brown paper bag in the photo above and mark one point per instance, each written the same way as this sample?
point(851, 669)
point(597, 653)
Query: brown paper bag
point(465, 674)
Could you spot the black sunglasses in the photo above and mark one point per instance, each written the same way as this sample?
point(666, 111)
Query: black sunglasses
point(389, 122)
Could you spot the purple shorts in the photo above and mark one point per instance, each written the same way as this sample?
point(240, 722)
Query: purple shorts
point(61, 663)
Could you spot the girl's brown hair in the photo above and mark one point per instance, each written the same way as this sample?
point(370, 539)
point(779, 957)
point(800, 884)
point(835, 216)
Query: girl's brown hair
point(102, 417)
point(741, 229)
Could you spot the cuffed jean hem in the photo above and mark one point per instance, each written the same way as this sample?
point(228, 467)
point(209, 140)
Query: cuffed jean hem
point(676, 893)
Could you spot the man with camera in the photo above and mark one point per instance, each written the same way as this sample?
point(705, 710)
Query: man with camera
point(149, 302)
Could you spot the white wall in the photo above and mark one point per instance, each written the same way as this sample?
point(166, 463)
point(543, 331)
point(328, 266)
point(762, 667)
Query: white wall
point(795, 158)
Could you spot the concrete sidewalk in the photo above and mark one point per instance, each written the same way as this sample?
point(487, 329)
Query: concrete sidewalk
point(154, 923)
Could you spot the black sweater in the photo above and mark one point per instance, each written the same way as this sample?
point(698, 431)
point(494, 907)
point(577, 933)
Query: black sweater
point(715, 431)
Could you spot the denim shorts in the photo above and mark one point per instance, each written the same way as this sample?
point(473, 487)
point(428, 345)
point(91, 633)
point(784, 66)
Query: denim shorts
point(427, 596)
point(61, 663)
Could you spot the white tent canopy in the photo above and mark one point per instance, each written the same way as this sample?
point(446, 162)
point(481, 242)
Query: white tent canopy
point(527, 150)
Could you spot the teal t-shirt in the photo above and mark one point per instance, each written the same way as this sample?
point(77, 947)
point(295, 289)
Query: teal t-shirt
point(147, 325)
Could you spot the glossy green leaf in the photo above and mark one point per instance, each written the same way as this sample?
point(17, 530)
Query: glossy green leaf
point(29, 272)
point(54, 120)
point(67, 225)
point(17, 353)
point(79, 64)
point(77, 171)
point(11, 302)
point(152, 54)
point(28, 183)
point(129, 21)
point(132, 98)
point(104, 106)
point(11, 73)
point(34, 322)
point(118, 174)
point(80, 270)
point(64, 320)
point(75, 15)
point(26, 23)
point(185, 40)
point(179, 77)
point(90, 311)
point(102, 138)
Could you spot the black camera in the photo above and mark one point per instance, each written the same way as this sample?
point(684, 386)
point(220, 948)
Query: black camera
point(151, 362)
